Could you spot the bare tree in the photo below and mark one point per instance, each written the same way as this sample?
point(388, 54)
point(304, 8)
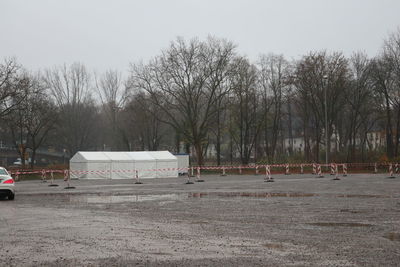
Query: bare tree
point(71, 89)
point(13, 86)
point(31, 118)
point(382, 79)
point(310, 72)
point(113, 96)
point(142, 123)
point(274, 71)
point(244, 103)
point(41, 116)
point(391, 58)
point(179, 82)
point(358, 109)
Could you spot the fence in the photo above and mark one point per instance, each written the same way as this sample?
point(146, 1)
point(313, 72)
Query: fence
point(239, 169)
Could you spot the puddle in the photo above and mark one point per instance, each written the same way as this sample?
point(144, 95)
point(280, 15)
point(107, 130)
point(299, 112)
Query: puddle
point(199, 222)
point(392, 236)
point(249, 194)
point(167, 198)
point(352, 211)
point(362, 196)
point(122, 199)
point(273, 246)
point(336, 224)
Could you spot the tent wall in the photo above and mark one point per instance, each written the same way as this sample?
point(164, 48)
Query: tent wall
point(97, 164)
point(99, 170)
point(146, 169)
point(183, 162)
point(144, 163)
point(166, 164)
point(77, 166)
point(122, 170)
point(122, 165)
point(96, 170)
point(167, 168)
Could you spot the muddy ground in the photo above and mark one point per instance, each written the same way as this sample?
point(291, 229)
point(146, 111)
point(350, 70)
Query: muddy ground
point(298, 220)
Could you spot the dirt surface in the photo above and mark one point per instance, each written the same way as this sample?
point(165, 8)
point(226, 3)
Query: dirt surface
point(298, 220)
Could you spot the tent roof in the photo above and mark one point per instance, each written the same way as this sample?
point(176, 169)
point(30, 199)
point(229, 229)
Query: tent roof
point(140, 156)
point(162, 155)
point(101, 156)
point(118, 156)
point(94, 156)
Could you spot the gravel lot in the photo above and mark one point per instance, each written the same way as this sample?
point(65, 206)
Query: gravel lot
point(298, 220)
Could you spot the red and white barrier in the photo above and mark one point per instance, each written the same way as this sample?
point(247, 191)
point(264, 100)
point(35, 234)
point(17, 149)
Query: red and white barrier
point(344, 167)
point(316, 168)
point(332, 168)
point(198, 175)
point(66, 176)
point(44, 176)
point(188, 181)
point(52, 179)
point(319, 171)
point(336, 172)
point(391, 171)
point(287, 171)
point(223, 172)
point(137, 177)
point(268, 177)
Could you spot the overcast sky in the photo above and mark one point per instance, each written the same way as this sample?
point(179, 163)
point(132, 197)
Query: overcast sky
point(111, 33)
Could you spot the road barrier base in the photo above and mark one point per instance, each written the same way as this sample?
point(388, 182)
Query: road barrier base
point(138, 183)
point(200, 180)
point(53, 184)
point(70, 187)
point(336, 178)
point(189, 182)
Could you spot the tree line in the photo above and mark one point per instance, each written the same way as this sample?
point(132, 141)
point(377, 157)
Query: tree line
point(202, 97)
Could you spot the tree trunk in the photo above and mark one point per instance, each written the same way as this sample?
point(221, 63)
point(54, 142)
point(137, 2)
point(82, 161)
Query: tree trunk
point(290, 132)
point(218, 141)
point(33, 156)
point(389, 133)
point(396, 146)
point(199, 153)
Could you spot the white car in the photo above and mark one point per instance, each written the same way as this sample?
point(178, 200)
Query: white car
point(6, 185)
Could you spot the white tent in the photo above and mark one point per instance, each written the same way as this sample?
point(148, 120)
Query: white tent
point(183, 163)
point(166, 163)
point(92, 165)
point(122, 165)
point(144, 163)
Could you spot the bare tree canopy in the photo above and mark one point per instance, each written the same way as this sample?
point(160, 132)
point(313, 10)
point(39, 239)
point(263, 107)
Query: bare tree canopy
point(185, 82)
point(71, 88)
point(202, 97)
